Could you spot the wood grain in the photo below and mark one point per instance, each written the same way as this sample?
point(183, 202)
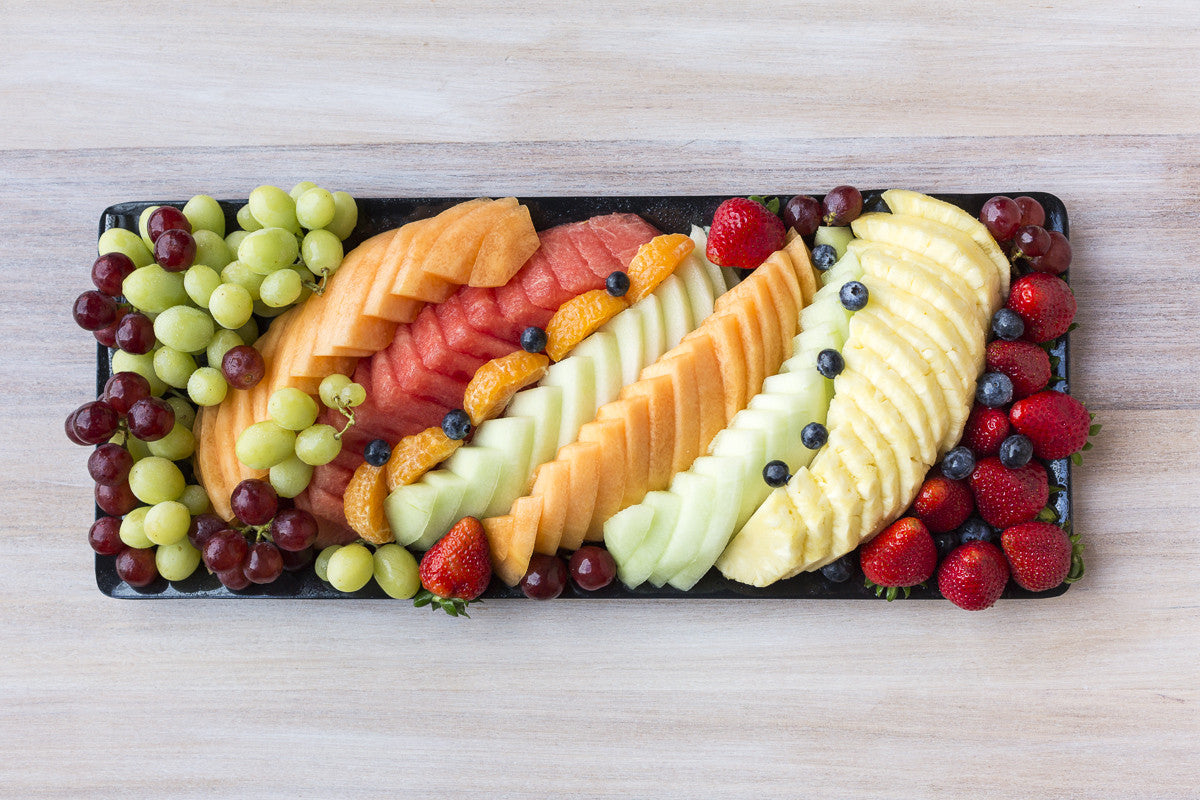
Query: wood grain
point(1091, 694)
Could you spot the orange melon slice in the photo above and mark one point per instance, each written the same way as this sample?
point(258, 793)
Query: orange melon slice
point(411, 278)
point(609, 436)
point(724, 334)
point(710, 410)
point(679, 365)
point(453, 255)
point(505, 249)
point(499, 532)
point(584, 460)
point(553, 483)
point(381, 302)
point(806, 273)
point(660, 395)
point(634, 414)
point(526, 514)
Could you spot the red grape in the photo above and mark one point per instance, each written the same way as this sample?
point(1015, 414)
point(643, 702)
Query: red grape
point(95, 422)
point(1055, 260)
point(294, 561)
point(841, 206)
point(110, 271)
point(225, 550)
point(1002, 216)
point(124, 389)
point(94, 310)
point(109, 464)
point(105, 536)
point(137, 567)
point(69, 425)
point(1032, 212)
point(108, 336)
point(294, 529)
point(243, 366)
point(264, 564)
point(135, 334)
point(175, 250)
point(592, 568)
point(1032, 241)
point(803, 213)
point(254, 501)
point(166, 218)
point(234, 578)
point(202, 527)
point(116, 500)
point(546, 578)
point(151, 418)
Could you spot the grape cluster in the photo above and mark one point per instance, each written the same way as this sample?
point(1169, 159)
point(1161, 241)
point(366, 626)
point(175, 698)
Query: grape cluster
point(1016, 223)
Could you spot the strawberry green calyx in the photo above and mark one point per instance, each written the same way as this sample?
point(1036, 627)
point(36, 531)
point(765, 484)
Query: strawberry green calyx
point(889, 593)
point(772, 204)
point(1077, 565)
point(454, 606)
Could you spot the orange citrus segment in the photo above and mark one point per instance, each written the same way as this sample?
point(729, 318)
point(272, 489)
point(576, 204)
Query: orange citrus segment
point(578, 318)
point(416, 454)
point(655, 260)
point(494, 383)
point(363, 502)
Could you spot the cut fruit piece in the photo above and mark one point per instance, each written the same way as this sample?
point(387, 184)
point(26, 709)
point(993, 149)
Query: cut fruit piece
point(748, 447)
point(660, 395)
point(543, 405)
point(698, 288)
point(711, 405)
point(898, 392)
point(634, 570)
point(834, 479)
point(605, 354)
point(452, 255)
point(363, 502)
point(551, 482)
point(728, 478)
point(634, 414)
point(527, 516)
point(506, 247)
point(816, 513)
point(495, 383)
point(752, 348)
point(512, 436)
point(680, 370)
point(480, 469)
point(654, 261)
point(380, 300)
point(448, 492)
point(894, 428)
point(677, 312)
point(837, 238)
point(882, 455)
point(654, 336)
point(625, 532)
point(798, 252)
point(766, 548)
point(578, 318)
point(698, 495)
point(409, 512)
point(609, 437)
point(415, 455)
point(725, 335)
point(584, 458)
point(627, 330)
point(499, 532)
point(576, 379)
point(864, 473)
point(412, 280)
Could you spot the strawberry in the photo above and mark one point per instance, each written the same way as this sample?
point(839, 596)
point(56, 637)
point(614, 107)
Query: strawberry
point(902, 556)
point(986, 428)
point(973, 575)
point(1039, 554)
point(744, 233)
point(1045, 303)
point(1026, 364)
point(457, 569)
point(943, 504)
point(1055, 422)
point(1007, 497)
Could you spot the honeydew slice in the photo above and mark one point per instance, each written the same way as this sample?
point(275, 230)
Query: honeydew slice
point(748, 447)
point(654, 334)
point(625, 531)
point(628, 331)
point(676, 308)
point(697, 493)
point(698, 287)
point(601, 347)
point(543, 405)
point(575, 377)
point(729, 477)
point(513, 437)
point(448, 489)
point(634, 569)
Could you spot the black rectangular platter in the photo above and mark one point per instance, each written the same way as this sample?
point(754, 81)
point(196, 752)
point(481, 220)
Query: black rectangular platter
point(670, 214)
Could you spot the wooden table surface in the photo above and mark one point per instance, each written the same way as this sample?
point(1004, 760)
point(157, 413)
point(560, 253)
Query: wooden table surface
point(1094, 694)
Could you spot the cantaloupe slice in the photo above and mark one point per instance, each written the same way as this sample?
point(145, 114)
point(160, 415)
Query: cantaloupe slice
point(724, 333)
point(679, 365)
point(505, 249)
point(344, 329)
point(453, 255)
point(499, 532)
point(381, 302)
point(802, 260)
point(552, 483)
point(634, 414)
point(753, 352)
point(710, 386)
point(584, 458)
point(779, 290)
point(411, 279)
point(516, 560)
point(660, 395)
point(609, 435)
point(526, 515)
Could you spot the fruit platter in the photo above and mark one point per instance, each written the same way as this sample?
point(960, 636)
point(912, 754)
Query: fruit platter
point(451, 400)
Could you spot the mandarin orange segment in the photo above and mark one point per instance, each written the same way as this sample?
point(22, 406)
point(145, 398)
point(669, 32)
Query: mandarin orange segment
point(416, 454)
point(579, 318)
point(494, 383)
point(655, 260)
point(363, 502)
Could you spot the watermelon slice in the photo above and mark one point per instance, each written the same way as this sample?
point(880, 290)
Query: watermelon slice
point(436, 354)
point(462, 337)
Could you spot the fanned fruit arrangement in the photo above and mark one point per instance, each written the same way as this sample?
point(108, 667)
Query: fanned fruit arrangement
point(444, 400)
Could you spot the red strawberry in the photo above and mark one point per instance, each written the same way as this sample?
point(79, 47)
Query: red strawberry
point(903, 555)
point(973, 575)
point(986, 428)
point(1055, 422)
point(1045, 303)
point(943, 504)
point(744, 233)
point(1024, 362)
point(1007, 497)
point(1039, 554)
point(457, 569)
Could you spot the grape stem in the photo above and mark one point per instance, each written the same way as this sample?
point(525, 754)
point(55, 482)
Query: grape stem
point(318, 288)
point(348, 413)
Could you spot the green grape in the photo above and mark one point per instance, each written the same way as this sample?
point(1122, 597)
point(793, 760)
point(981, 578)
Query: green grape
point(274, 208)
point(178, 561)
point(314, 208)
point(205, 214)
point(177, 445)
point(143, 230)
point(264, 444)
point(345, 216)
point(196, 499)
point(136, 447)
point(199, 282)
point(290, 477)
point(264, 310)
point(352, 395)
point(173, 366)
point(211, 250)
point(143, 365)
point(292, 409)
point(331, 387)
point(321, 251)
point(245, 218)
point(268, 250)
point(234, 240)
point(185, 415)
point(156, 479)
point(119, 240)
point(321, 564)
point(167, 522)
point(396, 572)
point(207, 386)
point(249, 332)
point(231, 305)
point(184, 328)
point(133, 529)
point(153, 289)
point(318, 445)
point(350, 568)
point(281, 289)
point(239, 273)
point(300, 188)
point(222, 342)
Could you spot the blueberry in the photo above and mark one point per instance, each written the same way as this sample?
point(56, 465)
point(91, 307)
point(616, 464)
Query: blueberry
point(1015, 451)
point(854, 295)
point(617, 283)
point(456, 424)
point(839, 571)
point(824, 256)
point(377, 452)
point(958, 463)
point(814, 436)
point(533, 339)
point(976, 530)
point(830, 363)
point(1008, 325)
point(945, 542)
point(995, 389)
point(776, 474)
